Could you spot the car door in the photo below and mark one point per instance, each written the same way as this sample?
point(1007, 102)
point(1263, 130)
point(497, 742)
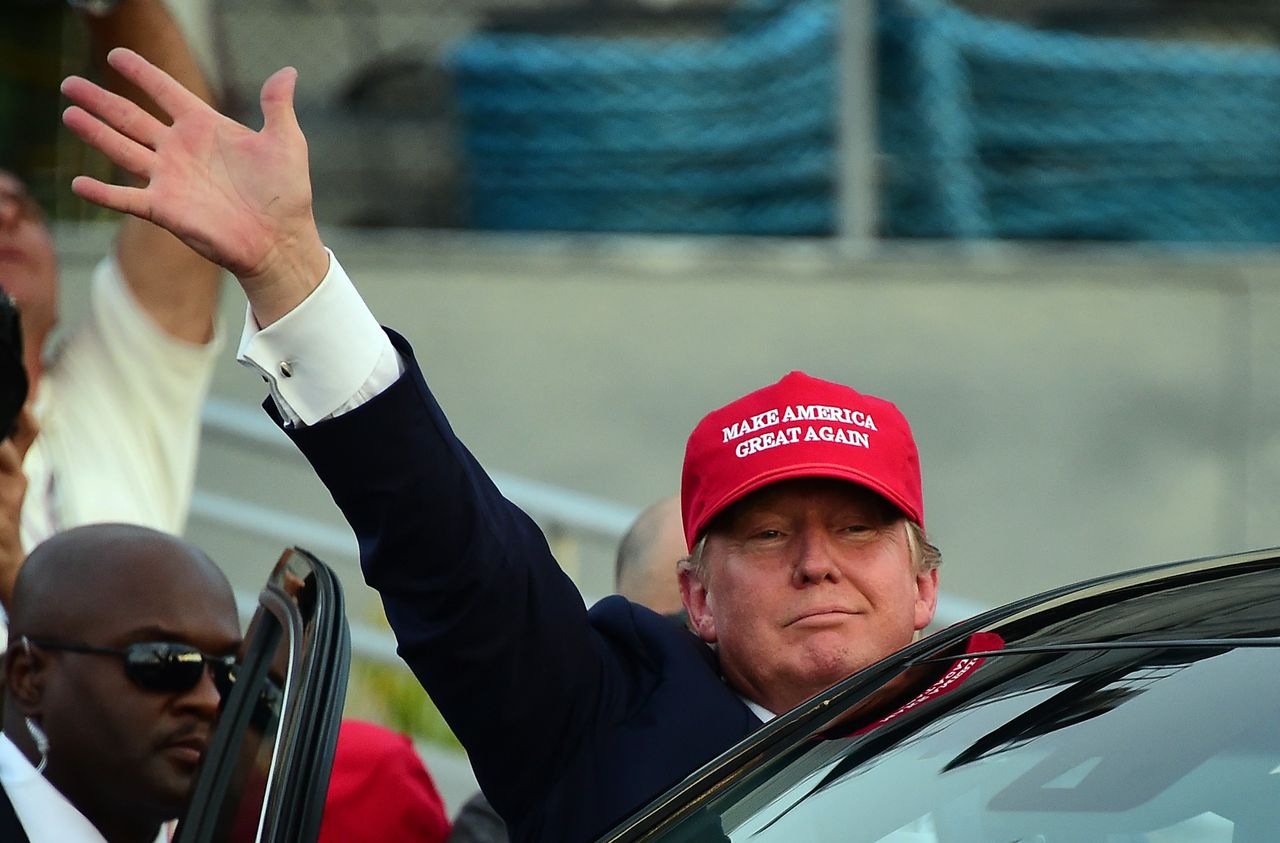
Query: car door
point(266, 772)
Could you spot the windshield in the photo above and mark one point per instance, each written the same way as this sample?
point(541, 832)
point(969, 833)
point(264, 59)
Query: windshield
point(1114, 746)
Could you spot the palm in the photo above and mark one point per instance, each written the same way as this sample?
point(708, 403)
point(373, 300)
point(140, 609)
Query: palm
point(232, 194)
point(226, 190)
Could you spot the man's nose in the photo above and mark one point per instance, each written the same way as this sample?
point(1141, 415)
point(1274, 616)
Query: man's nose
point(204, 698)
point(815, 557)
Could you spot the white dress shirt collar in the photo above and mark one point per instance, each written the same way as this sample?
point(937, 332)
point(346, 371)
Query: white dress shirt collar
point(758, 710)
point(45, 814)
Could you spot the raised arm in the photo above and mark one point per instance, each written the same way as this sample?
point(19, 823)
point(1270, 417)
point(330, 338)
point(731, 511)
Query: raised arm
point(177, 287)
point(238, 197)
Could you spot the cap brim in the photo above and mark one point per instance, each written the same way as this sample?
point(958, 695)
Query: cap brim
point(832, 471)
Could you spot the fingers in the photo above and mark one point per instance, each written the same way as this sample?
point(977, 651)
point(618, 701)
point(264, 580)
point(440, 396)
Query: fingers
point(163, 89)
point(122, 151)
point(277, 101)
point(129, 200)
point(122, 114)
point(115, 126)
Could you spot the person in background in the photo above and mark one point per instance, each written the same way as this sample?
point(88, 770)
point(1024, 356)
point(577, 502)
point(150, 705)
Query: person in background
point(648, 555)
point(117, 403)
point(122, 642)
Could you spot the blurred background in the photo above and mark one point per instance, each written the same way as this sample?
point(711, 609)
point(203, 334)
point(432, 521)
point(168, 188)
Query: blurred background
point(1047, 229)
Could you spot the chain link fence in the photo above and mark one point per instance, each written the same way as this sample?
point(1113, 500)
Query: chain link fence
point(39, 45)
point(997, 129)
point(1149, 120)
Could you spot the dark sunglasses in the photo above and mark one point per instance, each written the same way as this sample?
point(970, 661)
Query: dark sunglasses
point(161, 666)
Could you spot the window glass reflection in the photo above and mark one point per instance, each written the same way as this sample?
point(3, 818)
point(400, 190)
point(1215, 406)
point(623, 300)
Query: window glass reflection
point(1137, 746)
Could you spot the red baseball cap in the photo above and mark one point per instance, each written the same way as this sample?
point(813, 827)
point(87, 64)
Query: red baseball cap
point(800, 426)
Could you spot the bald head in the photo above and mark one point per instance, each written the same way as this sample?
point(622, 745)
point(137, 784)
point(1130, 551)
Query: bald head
point(85, 578)
point(122, 747)
point(646, 565)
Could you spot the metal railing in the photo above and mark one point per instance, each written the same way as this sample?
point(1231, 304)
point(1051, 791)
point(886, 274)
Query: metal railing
point(558, 510)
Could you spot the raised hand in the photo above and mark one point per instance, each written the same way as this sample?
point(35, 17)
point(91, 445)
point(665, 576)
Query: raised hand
point(239, 197)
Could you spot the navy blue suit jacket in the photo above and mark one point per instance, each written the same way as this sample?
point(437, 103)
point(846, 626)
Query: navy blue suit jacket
point(572, 719)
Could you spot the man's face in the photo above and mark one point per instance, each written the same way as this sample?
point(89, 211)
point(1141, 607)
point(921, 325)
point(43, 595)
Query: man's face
point(28, 266)
point(807, 581)
point(133, 749)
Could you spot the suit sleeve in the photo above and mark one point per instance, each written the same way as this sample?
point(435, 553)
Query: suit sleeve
point(484, 616)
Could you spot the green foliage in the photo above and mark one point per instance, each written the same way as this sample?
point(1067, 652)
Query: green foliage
point(392, 696)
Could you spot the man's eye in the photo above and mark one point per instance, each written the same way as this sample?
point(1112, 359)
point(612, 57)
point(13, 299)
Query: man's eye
point(767, 534)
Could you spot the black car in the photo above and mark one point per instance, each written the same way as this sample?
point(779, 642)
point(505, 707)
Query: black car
point(1137, 708)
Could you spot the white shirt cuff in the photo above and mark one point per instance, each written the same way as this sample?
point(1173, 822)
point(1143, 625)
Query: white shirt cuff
point(325, 357)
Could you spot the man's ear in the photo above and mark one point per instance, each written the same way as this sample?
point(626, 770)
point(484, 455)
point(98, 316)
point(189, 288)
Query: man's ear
point(24, 674)
point(926, 598)
point(693, 591)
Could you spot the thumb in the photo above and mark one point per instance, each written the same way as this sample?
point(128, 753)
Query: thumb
point(277, 101)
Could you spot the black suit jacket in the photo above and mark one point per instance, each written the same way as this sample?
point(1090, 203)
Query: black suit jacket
point(11, 830)
point(571, 719)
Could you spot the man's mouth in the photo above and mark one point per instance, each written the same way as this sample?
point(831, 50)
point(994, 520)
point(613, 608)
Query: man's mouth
point(820, 615)
point(187, 750)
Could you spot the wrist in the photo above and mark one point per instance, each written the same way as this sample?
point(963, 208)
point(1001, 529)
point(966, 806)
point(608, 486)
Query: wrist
point(286, 278)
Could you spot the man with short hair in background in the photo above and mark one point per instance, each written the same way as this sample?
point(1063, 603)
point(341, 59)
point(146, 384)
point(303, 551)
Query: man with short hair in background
point(121, 649)
point(648, 555)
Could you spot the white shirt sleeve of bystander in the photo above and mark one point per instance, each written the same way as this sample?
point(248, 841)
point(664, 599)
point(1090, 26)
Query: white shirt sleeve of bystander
point(119, 413)
point(325, 357)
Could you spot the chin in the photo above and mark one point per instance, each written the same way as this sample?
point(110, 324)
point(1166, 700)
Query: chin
point(826, 669)
point(169, 793)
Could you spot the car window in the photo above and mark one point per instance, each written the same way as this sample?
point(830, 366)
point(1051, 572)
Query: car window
point(266, 772)
point(1163, 745)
